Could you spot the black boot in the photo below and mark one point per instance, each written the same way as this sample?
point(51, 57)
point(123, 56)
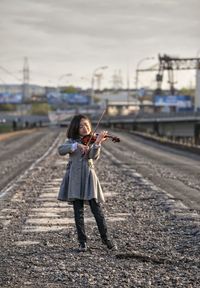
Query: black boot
point(82, 247)
point(110, 244)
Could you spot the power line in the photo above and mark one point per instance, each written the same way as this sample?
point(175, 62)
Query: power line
point(9, 73)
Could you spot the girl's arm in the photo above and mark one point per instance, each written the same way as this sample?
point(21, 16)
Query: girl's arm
point(95, 148)
point(94, 152)
point(68, 147)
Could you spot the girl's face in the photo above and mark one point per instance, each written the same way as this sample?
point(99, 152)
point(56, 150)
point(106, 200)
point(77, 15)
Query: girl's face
point(85, 127)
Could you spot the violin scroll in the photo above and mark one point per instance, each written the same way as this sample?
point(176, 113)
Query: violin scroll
point(114, 138)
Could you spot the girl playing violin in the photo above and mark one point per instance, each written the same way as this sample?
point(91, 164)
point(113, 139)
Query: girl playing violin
point(80, 184)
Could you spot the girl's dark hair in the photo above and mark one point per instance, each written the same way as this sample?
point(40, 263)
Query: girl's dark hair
point(73, 129)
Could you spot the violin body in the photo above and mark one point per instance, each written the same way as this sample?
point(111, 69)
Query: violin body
point(90, 139)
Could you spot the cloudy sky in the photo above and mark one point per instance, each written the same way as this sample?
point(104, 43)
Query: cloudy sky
point(78, 36)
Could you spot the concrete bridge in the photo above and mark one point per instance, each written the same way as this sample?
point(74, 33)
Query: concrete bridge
point(175, 126)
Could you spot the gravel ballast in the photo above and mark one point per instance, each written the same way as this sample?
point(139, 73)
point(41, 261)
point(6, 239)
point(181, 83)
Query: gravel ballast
point(158, 237)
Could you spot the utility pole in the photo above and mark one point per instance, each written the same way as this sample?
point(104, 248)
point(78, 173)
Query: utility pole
point(25, 85)
point(93, 80)
point(128, 85)
point(137, 74)
point(197, 91)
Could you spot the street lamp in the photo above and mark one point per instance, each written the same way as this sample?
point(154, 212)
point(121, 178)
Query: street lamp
point(137, 72)
point(92, 81)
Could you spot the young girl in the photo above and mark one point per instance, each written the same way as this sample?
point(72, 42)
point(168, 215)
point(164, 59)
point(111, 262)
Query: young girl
point(81, 183)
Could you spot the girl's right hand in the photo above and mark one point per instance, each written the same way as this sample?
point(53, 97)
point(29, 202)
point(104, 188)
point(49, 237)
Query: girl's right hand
point(101, 137)
point(84, 149)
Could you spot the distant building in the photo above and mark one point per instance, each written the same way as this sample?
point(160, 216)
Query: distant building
point(118, 95)
point(172, 103)
point(18, 89)
point(122, 107)
point(147, 106)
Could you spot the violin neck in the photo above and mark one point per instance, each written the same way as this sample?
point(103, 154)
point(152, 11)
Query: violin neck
point(109, 136)
point(114, 139)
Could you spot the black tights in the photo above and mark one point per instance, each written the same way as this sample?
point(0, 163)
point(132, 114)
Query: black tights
point(79, 219)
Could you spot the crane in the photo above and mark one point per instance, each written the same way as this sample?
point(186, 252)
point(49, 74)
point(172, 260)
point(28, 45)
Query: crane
point(169, 64)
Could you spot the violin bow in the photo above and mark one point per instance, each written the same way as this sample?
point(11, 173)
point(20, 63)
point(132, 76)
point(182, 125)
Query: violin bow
point(92, 134)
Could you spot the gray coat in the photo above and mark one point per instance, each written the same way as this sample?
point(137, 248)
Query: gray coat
point(80, 180)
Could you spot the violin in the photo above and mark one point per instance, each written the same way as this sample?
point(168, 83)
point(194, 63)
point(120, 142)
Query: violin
point(92, 138)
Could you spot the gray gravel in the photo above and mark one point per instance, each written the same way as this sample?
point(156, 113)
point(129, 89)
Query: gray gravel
point(175, 171)
point(158, 238)
point(18, 153)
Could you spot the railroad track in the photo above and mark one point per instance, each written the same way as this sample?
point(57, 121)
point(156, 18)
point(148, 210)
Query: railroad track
point(175, 171)
point(156, 234)
point(20, 150)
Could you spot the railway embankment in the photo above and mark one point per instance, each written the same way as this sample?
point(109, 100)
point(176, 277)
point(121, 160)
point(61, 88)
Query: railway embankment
point(181, 144)
point(158, 237)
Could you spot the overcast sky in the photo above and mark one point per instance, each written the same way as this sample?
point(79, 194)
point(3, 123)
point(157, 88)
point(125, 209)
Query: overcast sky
point(78, 36)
